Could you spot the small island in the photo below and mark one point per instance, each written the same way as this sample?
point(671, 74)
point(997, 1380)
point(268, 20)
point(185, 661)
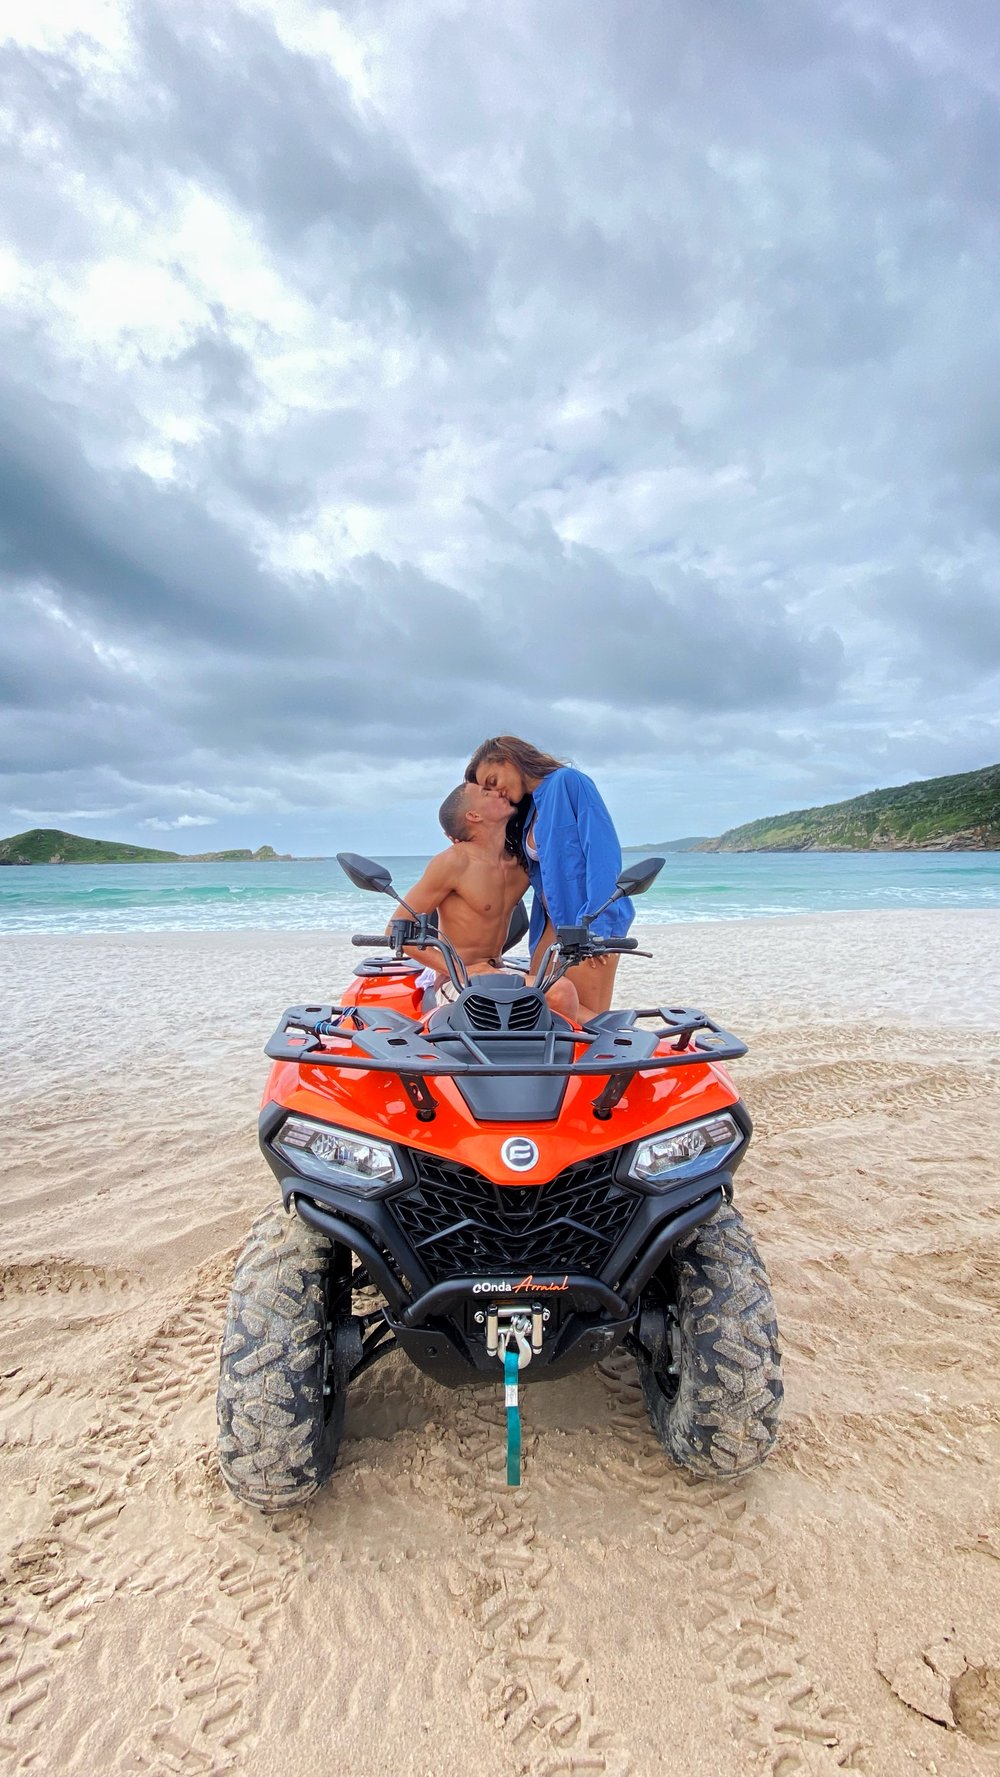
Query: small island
point(47, 845)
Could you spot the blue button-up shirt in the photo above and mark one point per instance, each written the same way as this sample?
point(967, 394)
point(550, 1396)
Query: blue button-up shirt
point(579, 856)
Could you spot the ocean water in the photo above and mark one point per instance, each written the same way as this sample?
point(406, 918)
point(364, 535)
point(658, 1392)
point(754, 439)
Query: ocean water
point(315, 895)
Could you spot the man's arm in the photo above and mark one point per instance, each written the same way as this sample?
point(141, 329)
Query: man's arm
point(436, 884)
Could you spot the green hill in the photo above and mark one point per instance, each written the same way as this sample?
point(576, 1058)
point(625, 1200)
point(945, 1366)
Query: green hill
point(47, 845)
point(934, 814)
point(654, 847)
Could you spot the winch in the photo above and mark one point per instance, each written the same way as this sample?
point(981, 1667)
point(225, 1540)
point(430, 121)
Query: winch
point(500, 1321)
point(512, 1335)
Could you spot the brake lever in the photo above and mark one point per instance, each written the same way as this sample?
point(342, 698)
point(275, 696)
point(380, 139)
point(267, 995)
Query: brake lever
point(596, 950)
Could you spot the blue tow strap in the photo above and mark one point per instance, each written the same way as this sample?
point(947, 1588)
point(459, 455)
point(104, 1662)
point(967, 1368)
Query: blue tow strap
point(513, 1416)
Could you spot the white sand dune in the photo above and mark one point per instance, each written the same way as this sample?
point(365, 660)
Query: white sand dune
point(838, 1611)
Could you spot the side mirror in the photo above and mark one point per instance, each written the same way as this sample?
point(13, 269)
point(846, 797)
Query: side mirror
point(635, 879)
point(364, 874)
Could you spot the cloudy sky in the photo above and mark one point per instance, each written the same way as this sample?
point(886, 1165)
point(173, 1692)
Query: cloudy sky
point(376, 377)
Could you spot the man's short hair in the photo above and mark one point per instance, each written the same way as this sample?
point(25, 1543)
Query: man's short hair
point(451, 814)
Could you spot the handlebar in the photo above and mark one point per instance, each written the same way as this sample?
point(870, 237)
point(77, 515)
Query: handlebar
point(421, 933)
point(405, 930)
point(575, 944)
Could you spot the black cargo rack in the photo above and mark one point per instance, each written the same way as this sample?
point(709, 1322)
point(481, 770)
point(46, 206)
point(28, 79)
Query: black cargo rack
point(393, 1044)
point(390, 1043)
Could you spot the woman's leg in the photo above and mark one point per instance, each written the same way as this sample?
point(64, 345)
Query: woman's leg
point(563, 996)
point(594, 981)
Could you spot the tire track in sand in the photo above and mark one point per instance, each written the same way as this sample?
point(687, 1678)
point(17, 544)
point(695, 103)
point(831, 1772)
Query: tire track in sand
point(47, 1394)
point(100, 1548)
point(204, 1712)
point(41, 1277)
point(748, 1620)
point(536, 1686)
point(781, 1100)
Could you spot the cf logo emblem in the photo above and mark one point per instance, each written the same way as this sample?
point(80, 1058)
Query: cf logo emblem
point(519, 1153)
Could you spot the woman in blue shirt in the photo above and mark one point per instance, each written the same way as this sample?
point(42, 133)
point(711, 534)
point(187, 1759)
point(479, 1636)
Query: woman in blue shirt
point(567, 838)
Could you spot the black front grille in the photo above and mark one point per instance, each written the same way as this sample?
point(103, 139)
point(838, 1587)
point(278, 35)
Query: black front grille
point(462, 1225)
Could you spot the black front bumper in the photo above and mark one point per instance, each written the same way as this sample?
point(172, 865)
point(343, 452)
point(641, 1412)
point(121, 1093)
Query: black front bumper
point(437, 1329)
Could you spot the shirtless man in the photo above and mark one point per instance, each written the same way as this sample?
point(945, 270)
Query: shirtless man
point(475, 884)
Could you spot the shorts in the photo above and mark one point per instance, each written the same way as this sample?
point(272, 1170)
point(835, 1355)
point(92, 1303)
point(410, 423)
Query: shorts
point(447, 992)
point(442, 984)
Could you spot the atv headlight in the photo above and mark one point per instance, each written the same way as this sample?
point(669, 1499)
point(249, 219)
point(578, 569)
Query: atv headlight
point(683, 1153)
point(324, 1153)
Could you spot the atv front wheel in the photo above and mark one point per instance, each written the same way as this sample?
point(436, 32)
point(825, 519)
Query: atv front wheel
point(707, 1351)
point(287, 1352)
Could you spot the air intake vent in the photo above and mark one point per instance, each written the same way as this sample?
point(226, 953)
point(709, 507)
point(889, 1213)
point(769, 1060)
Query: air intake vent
point(482, 1013)
point(524, 1014)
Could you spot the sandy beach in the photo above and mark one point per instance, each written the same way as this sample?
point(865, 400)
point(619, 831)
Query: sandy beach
point(837, 1611)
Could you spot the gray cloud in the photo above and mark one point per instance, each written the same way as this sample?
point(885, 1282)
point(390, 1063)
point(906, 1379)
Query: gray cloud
point(149, 558)
point(224, 369)
point(228, 637)
point(948, 625)
point(216, 97)
point(621, 377)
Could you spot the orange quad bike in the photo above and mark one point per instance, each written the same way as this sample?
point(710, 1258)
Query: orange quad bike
point(506, 1196)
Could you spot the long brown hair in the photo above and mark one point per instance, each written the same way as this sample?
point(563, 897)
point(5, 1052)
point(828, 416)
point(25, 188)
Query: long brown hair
point(531, 762)
point(525, 758)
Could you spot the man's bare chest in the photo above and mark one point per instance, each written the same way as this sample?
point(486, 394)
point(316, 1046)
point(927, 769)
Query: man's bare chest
point(491, 890)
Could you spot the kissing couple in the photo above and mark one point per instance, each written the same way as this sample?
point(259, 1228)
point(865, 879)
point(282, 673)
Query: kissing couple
point(521, 819)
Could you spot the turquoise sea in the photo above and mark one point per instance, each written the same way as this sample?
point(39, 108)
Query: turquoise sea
point(315, 895)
